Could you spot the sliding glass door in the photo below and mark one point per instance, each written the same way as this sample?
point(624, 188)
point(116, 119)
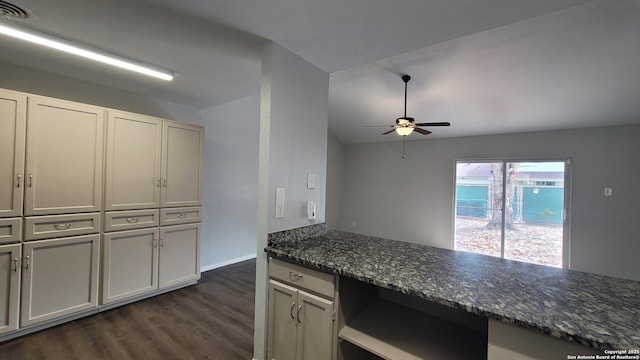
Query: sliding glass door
point(511, 209)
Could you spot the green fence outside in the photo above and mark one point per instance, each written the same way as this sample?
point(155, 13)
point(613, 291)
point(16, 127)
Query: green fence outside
point(471, 201)
point(539, 204)
point(542, 205)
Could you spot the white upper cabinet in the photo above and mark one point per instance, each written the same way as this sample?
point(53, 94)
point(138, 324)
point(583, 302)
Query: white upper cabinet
point(13, 111)
point(182, 151)
point(133, 155)
point(65, 144)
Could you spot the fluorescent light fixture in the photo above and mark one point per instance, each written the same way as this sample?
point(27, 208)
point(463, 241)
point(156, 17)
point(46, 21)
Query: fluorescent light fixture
point(65, 46)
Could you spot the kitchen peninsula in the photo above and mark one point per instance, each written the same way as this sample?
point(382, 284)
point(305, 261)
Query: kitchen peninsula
point(589, 313)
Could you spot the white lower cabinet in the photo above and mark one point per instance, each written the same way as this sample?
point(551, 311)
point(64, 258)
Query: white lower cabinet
point(179, 254)
point(9, 287)
point(301, 324)
point(129, 264)
point(138, 262)
point(59, 278)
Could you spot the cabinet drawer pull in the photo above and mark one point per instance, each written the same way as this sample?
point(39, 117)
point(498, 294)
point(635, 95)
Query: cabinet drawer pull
point(181, 215)
point(18, 179)
point(15, 264)
point(62, 226)
point(294, 276)
point(132, 220)
point(298, 314)
point(293, 306)
point(26, 262)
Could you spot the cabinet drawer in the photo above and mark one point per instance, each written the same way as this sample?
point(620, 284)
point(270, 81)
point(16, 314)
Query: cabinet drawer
point(10, 230)
point(183, 215)
point(302, 277)
point(43, 227)
point(128, 220)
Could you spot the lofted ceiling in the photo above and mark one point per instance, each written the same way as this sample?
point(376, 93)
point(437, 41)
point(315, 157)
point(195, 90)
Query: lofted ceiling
point(490, 66)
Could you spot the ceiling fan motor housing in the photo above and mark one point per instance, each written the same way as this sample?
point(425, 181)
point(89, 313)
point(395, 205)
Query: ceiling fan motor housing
point(405, 121)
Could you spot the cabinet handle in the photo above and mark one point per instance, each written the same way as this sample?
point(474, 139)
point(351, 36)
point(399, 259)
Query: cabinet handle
point(298, 314)
point(181, 215)
point(161, 242)
point(26, 262)
point(293, 306)
point(62, 226)
point(30, 180)
point(294, 276)
point(132, 220)
point(18, 180)
point(155, 242)
point(164, 182)
point(157, 182)
point(15, 264)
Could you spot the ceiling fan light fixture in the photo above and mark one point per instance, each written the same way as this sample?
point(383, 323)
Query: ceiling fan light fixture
point(404, 131)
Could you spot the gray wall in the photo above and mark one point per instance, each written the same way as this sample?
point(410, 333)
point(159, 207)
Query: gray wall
point(230, 187)
point(294, 109)
point(335, 181)
point(412, 199)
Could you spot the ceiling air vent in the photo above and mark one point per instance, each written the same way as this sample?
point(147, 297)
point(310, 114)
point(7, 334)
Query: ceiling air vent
point(12, 11)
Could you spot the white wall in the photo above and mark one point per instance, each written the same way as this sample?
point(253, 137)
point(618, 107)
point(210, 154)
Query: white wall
point(230, 186)
point(412, 199)
point(335, 181)
point(293, 142)
point(298, 144)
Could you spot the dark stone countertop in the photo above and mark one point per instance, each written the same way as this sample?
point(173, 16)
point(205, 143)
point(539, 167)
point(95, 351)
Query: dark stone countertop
point(598, 311)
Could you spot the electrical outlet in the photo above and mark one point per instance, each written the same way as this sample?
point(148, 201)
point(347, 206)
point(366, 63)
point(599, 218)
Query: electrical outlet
point(608, 192)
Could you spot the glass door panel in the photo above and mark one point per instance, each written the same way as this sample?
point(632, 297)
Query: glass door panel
point(478, 220)
point(538, 205)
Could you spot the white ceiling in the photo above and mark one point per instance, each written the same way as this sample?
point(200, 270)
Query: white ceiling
point(487, 66)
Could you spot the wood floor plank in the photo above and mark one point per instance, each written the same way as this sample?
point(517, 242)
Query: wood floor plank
point(210, 320)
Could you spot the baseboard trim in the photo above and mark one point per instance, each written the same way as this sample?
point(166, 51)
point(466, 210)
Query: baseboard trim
point(227, 262)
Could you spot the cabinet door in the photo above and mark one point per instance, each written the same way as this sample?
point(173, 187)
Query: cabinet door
point(59, 277)
point(132, 171)
point(281, 333)
point(64, 157)
point(129, 264)
point(13, 111)
point(179, 254)
point(315, 328)
point(182, 151)
point(9, 286)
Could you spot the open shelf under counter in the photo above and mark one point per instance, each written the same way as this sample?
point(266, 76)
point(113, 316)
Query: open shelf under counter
point(392, 331)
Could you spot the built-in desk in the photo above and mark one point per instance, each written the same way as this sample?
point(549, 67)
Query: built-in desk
point(389, 290)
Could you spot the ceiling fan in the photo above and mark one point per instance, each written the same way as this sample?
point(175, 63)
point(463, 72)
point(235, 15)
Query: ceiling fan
point(406, 125)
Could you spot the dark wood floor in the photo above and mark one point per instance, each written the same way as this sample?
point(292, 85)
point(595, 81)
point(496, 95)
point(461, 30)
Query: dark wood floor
point(211, 320)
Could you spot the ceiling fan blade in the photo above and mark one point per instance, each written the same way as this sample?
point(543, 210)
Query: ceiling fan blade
point(388, 132)
point(379, 126)
point(422, 131)
point(434, 124)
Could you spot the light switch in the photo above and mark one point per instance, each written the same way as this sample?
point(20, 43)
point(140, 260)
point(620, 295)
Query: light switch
point(279, 203)
point(311, 181)
point(608, 191)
